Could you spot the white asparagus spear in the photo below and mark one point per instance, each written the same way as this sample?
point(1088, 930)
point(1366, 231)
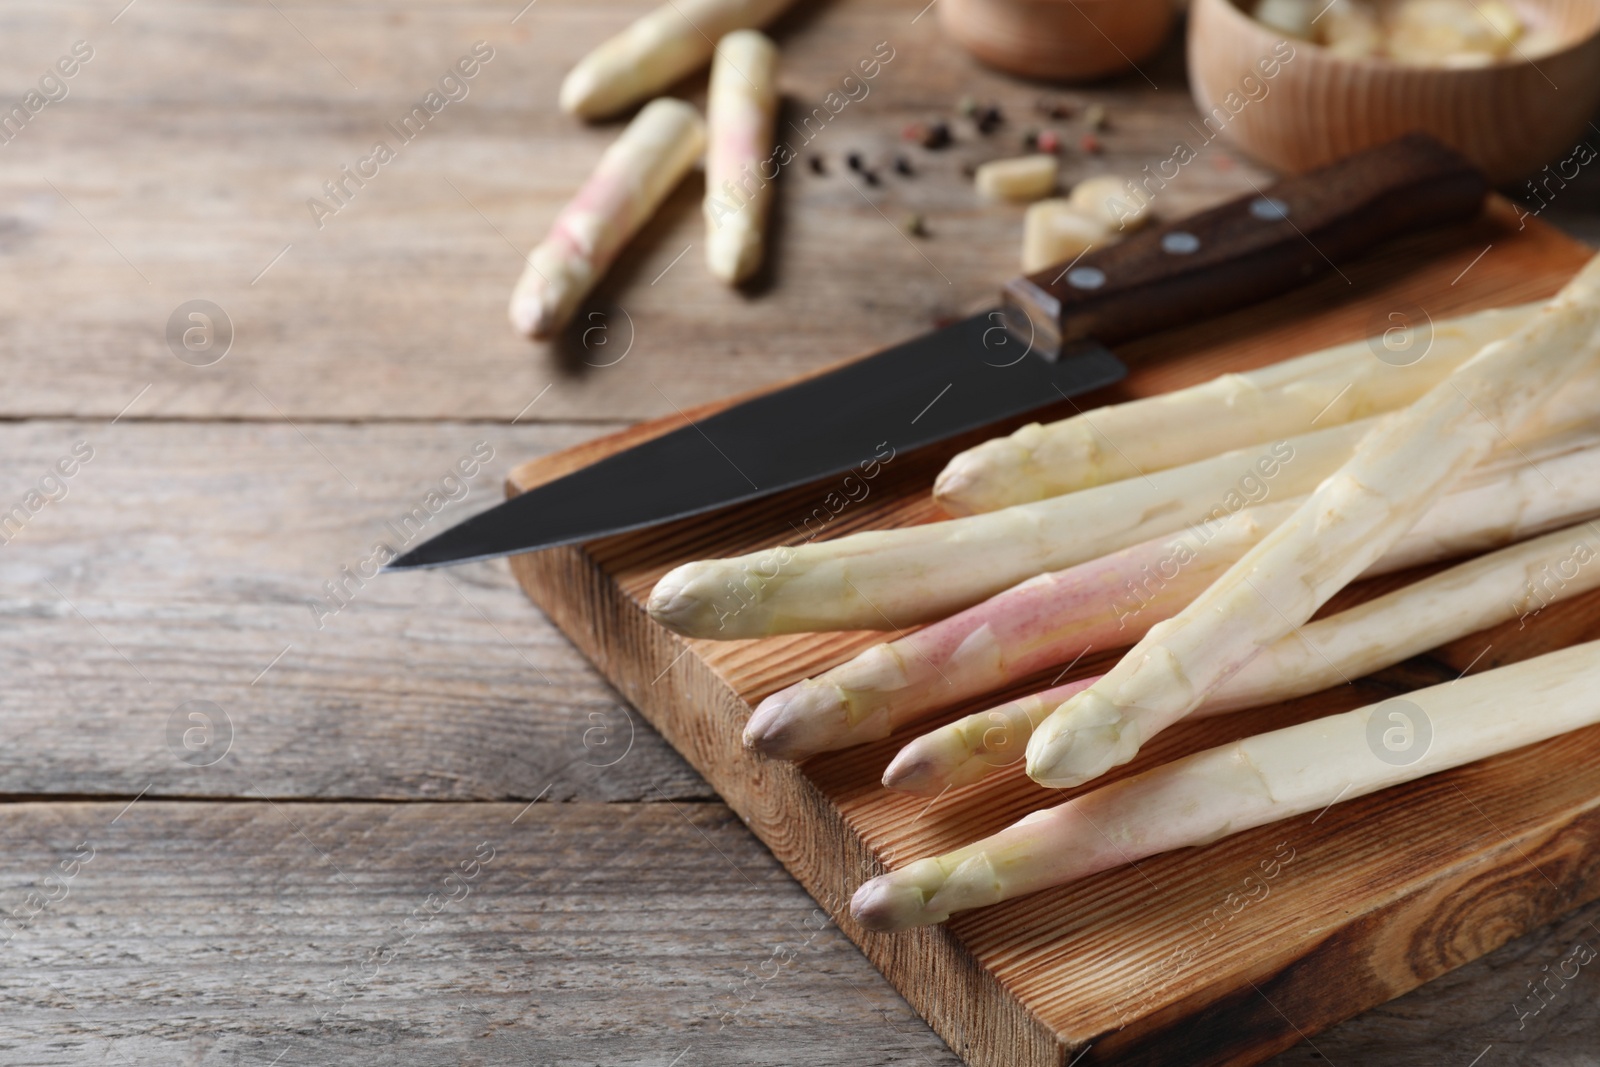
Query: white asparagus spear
point(1515, 582)
point(655, 51)
point(1335, 385)
point(741, 110)
point(1404, 464)
point(1259, 780)
point(894, 578)
point(633, 177)
point(1108, 603)
point(891, 578)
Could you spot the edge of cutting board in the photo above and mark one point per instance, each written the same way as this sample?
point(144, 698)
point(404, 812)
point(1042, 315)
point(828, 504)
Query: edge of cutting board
point(983, 982)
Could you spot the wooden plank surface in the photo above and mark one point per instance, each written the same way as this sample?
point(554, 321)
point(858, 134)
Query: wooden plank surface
point(178, 168)
point(1085, 973)
point(254, 933)
point(190, 561)
point(395, 307)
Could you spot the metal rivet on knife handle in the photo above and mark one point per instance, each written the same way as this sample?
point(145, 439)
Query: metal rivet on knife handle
point(1180, 243)
point(1269, 208)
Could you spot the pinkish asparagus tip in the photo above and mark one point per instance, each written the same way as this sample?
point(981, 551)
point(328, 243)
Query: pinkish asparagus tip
point(884, 906)
point(912, 772)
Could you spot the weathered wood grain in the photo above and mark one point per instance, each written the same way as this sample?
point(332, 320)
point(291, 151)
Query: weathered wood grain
point(254, 933)
point(184, 559)
point(1384, 896)
point(192, 141)
point(234, 933)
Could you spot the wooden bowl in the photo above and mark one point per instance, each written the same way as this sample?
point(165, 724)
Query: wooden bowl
point(1509, 118)
point(1059, 40)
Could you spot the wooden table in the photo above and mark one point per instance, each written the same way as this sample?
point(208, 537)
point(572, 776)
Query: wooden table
point(261, 809)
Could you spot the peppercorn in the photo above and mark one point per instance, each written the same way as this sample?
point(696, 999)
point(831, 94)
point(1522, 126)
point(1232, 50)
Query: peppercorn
point(936, 136)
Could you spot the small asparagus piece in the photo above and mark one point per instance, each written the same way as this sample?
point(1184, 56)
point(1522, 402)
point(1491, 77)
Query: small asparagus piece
point(1332, 386)
point(655, 51)
point(1021, 179)
point(891, 578)
point(1259, 780)
point(1400, 468)
point(1109, 603)
point(1514, 582)
point(633, 177)
point(741, 110)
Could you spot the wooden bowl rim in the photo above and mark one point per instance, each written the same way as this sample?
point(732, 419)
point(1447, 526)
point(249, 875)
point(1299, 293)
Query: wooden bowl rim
point(1246, 23)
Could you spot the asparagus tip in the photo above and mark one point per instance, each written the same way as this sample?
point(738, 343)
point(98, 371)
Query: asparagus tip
point(952, 486)
point(530, 315)
point(886, 904)
point(914, 771)
point(674, 604)
point(797, 722)
point(1079, 749)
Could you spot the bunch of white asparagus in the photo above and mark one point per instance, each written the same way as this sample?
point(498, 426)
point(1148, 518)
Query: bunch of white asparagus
point(1204, 528)
point(660, 146)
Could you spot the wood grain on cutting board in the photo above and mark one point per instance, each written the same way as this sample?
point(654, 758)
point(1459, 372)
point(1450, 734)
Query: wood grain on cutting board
point(1155, 962)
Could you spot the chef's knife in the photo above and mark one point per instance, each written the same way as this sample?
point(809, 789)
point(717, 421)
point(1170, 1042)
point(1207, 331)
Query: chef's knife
point(1044, 344)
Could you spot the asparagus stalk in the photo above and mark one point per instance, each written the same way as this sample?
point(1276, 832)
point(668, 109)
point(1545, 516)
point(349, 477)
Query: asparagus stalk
point(741, 111)
point(655, 51)
point(893, 578)
point(1110, 603)
point(633, 177)
point(1259, 780)
point(1515, 582)
point(1336, 385)
point(1047, 620)
point(1400, 468)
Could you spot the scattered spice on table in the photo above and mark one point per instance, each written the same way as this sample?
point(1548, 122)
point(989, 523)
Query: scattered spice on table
point(1052, 108)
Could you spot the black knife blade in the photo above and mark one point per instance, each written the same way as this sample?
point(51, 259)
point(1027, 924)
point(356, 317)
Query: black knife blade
point(1034, 351)
point(924, 390)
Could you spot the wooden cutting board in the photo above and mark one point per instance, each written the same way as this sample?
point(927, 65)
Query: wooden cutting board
point(1178, 959)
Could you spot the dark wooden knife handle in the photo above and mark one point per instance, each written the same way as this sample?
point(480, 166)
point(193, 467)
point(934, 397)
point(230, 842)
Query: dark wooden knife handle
point(1249, 249)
